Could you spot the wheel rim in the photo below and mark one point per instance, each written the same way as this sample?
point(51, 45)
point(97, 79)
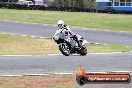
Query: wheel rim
point(65, 47)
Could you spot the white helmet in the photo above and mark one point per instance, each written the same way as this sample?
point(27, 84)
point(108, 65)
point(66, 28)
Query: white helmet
point(60, 22)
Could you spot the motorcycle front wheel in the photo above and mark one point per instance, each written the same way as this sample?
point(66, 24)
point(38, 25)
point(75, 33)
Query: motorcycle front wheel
point(65, 49)
point(83, 51)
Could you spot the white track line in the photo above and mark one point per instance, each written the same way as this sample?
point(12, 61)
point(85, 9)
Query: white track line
point(23, 35)
point(33, 36)
point(122, 71)
point(15, 55)
point(62, 55)
point(38, 74)
point(50, 74)
point(41, 37)
point(28, 36)
point(12, 34)
point(3, 33)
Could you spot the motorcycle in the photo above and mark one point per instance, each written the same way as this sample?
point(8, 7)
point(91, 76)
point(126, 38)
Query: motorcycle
point(68, 45)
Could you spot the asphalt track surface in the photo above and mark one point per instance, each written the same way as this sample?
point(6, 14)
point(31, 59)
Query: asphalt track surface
point(96, 36)
point(23, 65)
point(61, 64)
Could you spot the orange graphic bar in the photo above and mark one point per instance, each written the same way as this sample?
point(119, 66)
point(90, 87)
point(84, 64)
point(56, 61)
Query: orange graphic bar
point(83, 77)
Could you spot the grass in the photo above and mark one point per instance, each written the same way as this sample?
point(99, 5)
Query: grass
point(118, 22)
point(55, 81)
point(58, 85)
point(24, 45)
point(108, 48)
point(18, 45)
point(52, 81)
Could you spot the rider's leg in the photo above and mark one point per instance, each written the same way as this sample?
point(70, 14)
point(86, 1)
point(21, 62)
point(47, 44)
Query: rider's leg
point(76, 39)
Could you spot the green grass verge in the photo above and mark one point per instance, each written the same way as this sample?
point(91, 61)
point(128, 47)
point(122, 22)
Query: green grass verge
point(79, 19)
point(108, 48)
point(19, 45)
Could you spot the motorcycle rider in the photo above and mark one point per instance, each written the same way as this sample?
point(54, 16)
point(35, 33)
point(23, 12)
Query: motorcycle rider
point(67, 31)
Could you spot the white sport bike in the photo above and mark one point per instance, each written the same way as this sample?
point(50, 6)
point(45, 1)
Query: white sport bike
point(68, 45)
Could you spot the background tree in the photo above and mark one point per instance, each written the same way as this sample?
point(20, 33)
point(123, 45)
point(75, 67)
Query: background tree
point(72, 3)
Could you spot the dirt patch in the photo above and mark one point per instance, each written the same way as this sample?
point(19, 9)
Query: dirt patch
point(37, 81)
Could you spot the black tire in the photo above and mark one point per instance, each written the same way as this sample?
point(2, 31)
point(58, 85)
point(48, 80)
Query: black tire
point(63, 50)
point(81, 80)
point(129, 80)
point(83, 51)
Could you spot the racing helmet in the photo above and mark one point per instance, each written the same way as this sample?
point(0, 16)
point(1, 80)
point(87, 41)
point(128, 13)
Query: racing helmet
point(60, 23)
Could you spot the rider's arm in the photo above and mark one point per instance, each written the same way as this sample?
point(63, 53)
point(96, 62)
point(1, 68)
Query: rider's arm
point(70, 32)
